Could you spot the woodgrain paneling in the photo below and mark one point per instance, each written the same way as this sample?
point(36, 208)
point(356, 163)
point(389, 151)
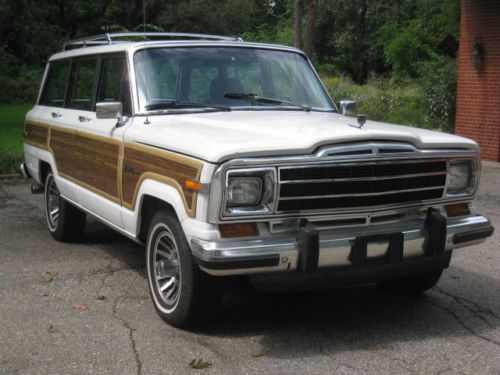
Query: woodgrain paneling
point(36, 134)
point(89, 160)
point(141, 162)
point(97, 164)
point(63, 146)
point(112, 169)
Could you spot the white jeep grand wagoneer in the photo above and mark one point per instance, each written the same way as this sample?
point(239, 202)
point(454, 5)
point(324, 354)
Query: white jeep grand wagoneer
point(229, 158)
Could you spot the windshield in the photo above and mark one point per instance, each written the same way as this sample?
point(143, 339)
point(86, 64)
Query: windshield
point(213, 75)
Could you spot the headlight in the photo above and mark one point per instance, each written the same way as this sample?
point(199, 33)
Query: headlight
point(249, 191)
point(244, 191)
point(459, 175)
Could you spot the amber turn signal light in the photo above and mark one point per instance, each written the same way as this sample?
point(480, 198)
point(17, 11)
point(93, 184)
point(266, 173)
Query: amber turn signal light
point(238, 230)
point(192, 185)
point(458, 209)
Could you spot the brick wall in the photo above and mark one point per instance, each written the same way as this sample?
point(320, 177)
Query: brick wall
point(478, 91)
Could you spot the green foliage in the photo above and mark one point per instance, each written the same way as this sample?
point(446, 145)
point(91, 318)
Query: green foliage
point(382, 100)
point(11, 137)
point(410, 45)
point(280, 33)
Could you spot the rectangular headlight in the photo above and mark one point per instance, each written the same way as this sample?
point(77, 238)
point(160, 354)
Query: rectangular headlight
point(459, 175)
point(244, 191)
point(249, 191)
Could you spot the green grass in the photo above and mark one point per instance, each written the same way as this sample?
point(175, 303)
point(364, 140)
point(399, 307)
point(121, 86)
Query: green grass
point(11, 136)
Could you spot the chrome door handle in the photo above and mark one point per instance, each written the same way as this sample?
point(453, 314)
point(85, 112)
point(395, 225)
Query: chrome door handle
point(83, 119)
point(56, 114)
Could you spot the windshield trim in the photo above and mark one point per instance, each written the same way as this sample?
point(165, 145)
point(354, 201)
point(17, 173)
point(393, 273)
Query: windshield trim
point(334, 107)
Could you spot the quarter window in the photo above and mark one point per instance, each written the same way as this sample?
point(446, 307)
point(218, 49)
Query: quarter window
point(55, 85)
point(113, 82)
point(82, 84)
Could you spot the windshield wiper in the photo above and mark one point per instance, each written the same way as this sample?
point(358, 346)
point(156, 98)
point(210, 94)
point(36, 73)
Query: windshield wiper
point(254, 98)
point(180, 104)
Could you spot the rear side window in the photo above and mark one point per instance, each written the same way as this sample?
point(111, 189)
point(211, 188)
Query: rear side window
point(83, 73)
point(55, 84)
point(114, 83)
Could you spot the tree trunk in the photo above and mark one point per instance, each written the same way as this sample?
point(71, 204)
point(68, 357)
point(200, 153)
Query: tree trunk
point(297, 27)
point(312, 12)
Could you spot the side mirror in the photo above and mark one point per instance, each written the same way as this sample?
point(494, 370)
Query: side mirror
point(109, 110)
point(349, 108)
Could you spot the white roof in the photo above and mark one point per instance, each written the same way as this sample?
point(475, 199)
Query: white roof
point(134, 46)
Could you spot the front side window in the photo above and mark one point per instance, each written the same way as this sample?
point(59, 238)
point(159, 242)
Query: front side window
point(113, 82)
point(213, 75)
point(55, 84)
point(83, 73)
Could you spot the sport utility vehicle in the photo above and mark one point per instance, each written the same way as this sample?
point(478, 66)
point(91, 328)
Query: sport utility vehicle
point(229, 158)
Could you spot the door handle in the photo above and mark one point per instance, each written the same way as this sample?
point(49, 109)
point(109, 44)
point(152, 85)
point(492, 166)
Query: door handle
point(83, 119)
point(56, 114)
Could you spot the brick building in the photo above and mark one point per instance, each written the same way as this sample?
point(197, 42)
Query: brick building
point(478, 91)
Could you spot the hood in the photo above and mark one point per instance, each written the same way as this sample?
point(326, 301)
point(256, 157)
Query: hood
point(219, 136)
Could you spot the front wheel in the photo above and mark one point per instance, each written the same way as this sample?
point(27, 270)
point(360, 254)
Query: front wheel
point(412, 285)
point(183, 295)
point(65, 222)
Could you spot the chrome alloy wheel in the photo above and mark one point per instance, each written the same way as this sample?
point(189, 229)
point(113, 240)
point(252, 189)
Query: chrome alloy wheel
point(52, 204)
point(166, 265)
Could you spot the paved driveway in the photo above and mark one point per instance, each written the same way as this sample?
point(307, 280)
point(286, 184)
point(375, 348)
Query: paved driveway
point(84, 308)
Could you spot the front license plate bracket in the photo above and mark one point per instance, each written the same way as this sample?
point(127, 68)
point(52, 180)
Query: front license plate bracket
point(359, 249)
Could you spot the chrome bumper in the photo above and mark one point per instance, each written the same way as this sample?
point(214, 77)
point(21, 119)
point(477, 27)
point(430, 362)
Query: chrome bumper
point(282, 252)
point(24, 171)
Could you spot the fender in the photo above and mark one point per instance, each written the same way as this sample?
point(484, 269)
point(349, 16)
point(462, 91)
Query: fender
point(159, 190)
point(34, 156)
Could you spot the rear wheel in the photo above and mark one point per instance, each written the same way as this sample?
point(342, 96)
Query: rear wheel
point(183, 295)
point(412, 285)
point(65, 222)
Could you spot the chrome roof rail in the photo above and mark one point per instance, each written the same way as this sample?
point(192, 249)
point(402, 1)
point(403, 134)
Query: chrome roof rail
point(110, 38)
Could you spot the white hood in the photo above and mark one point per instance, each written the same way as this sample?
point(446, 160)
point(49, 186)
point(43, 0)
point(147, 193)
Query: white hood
point(219, 136)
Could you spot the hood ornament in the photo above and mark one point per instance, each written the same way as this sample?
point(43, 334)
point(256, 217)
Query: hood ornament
point(361, 122)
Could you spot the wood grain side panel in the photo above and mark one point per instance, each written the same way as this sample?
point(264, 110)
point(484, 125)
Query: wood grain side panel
point(142, 162)
point(97, 163)
point(36, 134)
point(63, 147)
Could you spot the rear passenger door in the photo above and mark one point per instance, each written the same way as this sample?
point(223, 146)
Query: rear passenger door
point(51, 111)
point(103, 78)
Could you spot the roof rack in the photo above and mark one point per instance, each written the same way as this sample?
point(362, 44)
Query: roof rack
point(110, 38)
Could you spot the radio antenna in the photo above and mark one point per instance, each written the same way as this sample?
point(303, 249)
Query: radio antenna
point(147, 122)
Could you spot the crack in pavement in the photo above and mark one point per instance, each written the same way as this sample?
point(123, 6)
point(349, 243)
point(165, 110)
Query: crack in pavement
point(461, 322)
point(477, 308)
point(133, 344)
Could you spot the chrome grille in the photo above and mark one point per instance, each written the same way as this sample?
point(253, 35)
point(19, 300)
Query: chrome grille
point(364, 184)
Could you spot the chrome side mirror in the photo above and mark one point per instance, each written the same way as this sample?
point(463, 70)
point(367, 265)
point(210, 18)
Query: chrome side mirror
point(349, 108)
point(110, 110)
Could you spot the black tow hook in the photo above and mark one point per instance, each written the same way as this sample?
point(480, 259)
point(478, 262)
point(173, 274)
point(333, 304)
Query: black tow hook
point(308, 241)
point(436, 226)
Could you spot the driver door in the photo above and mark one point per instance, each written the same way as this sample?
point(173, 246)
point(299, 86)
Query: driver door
point(99, 141)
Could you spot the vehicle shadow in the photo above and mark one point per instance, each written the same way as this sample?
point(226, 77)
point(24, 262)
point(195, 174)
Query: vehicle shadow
point(334, 320)
point(116, 246)
point(355, 318)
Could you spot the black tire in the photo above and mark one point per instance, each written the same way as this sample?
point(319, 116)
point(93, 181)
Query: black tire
point(198, 294)
point(70, 222)
point(412, 285)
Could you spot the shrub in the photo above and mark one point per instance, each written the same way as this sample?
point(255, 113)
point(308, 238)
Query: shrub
point(10, 162)
point(408, 103)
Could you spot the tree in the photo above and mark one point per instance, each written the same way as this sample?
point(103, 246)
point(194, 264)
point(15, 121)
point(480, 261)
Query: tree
point(297, 25)
point(312, 12)
point(310, 32)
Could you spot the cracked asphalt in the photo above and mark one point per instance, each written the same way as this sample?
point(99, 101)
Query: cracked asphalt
point(95, 315)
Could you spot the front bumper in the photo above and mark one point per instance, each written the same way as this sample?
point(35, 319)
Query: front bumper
point(309, 250)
